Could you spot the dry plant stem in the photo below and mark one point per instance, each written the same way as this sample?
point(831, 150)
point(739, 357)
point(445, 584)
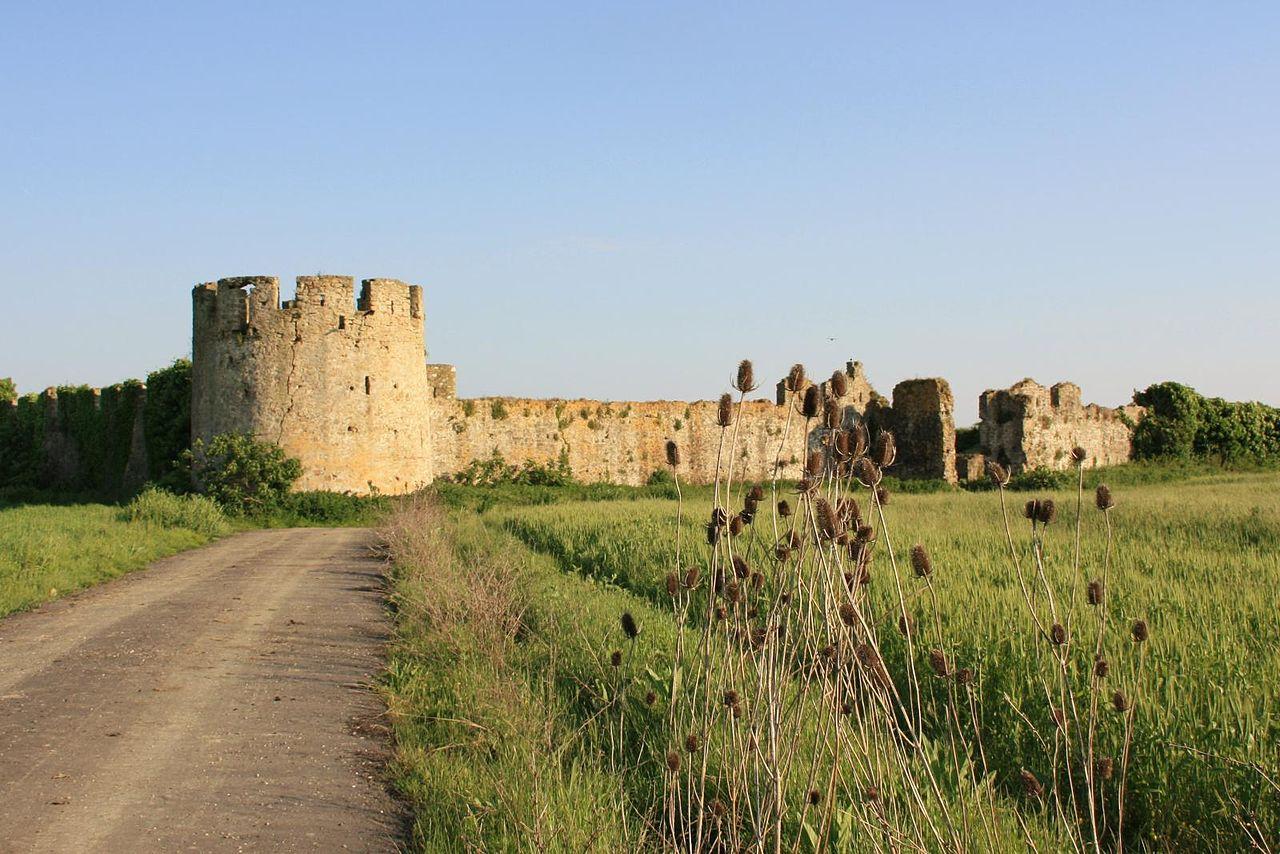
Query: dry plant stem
point(1017, 565)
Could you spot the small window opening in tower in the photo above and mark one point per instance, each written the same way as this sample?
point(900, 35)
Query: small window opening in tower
point(368, 385)
point(322, 300)
point(342, 321)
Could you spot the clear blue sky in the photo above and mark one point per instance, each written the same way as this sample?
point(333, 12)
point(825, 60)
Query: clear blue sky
point(621, 200)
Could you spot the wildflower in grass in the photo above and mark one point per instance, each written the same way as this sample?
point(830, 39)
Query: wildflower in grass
point(746, 380)
point(906, 624)
point(1140, 632)
point(673, 761)
point(1102, 497)
point(1048, 511)
point(795, 378)
point(736, 525)
point(615, 659)
point(724, 412)
point(756, 493)
point(1100, 667)
point(1030, 784)
point(920, 561)
point(691, 577)
point(740, 567)
point(839, 383)
point(1058, 634)
point(848, 615)
point(1093, 593)
point(1106, 767)
point(650, 698)
point(964, 676)
point(1120, 702)
point(731, 697)
point(1079, 454)
point(629, 627)
point(1031, 510)
point(673, 584)
point(673, 453)
point(814, 797)
point(812, 403)
point(784, 508)
point(999, 474)
point(938, 661)
point(866, 534)
point(885, 450)
point(691, 743)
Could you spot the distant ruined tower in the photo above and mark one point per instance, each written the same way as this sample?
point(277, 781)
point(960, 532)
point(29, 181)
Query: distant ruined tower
point(338, 382)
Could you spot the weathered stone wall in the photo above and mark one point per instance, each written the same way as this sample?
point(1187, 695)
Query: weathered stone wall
point(443, 380)
point(337, 382)
point(923, 422)
point(616, 442)
point(1029, 426)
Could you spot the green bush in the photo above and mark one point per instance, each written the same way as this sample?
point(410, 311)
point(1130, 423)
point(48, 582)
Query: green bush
point(331, 509)
point(495, 471)
point(167, 418)
point(1180, 424)
point(197, 513)
point(660, 477)
point(8, 391)
point(244, 475)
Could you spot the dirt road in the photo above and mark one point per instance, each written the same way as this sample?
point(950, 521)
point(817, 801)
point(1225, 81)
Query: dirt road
point(218, 701)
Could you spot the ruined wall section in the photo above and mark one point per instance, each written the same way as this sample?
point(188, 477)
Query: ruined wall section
point(1029, 426)
point(923, 422)
point(337, 381)
point(616, 442)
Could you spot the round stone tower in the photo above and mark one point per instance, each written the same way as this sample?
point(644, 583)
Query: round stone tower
point(339, 383)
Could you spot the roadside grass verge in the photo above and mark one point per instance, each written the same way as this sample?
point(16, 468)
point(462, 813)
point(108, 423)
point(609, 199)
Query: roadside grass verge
point(47, 551)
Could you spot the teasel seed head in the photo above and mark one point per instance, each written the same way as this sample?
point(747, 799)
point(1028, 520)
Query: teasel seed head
point(691, 578)
point(828, 521)
point(871, 794)
point(938, 661)
point(721, 613)
point(866, 472)
point(814, 797)
point(724, 412)
point(1058, 634)
point(673, 761)
point(1140, 631)
point(784, 508)
point(713, 534)
point(885, 450)
point(629, 627)
point(920, 561)
point(848, 615)
point(1120, 702)
point(1100, 667)
point(846, 708)
point(615, 658)
point(811, 407)
point(1102, 497)
point(814, 464)
point(866, 534)
point(1031, 509)
point(839, 383)
point(964, 676)
point(746, 380)
point(795, 540)
point(861, 439)
point(1093, 594)
point(717, 808)
point(673, 584)
point(850, 513)
point(999, 474)
point(833, 414)
point(650, 698)
point(1059, 718)
point(781, 551)
point(1106, 767)
point(1030, 784)
point(719, 516)
point(731, 697)
point(843, 446)
point(906, 624)
point(756, 493)
point(740, 567)
point(673, 453)
point(882, 496)
point(692, 743)
point(1048, 511)
point(1079, 454)
point(736, 525)
point(733, 592)
point(795, 378)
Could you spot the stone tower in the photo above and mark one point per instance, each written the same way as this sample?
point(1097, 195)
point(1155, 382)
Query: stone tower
point(338, 382)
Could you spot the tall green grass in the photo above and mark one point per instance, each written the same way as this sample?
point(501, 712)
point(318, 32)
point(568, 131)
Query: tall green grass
point(1197, 560)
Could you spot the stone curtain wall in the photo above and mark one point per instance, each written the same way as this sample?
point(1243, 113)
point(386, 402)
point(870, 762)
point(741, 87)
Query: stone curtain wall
point(616, 442)
point(79, 439)
point(923, 422)
point(337, 382)
point(1029, 426)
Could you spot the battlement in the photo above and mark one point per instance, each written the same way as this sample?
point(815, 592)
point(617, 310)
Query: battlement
point(241, 303)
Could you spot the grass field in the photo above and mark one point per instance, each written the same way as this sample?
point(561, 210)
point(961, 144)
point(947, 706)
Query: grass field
point(47, 551)
point(1196, 560)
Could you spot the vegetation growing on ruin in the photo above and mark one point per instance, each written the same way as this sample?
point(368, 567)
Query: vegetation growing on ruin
point(168, 421)
point(8, 391)
point(243, 475)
